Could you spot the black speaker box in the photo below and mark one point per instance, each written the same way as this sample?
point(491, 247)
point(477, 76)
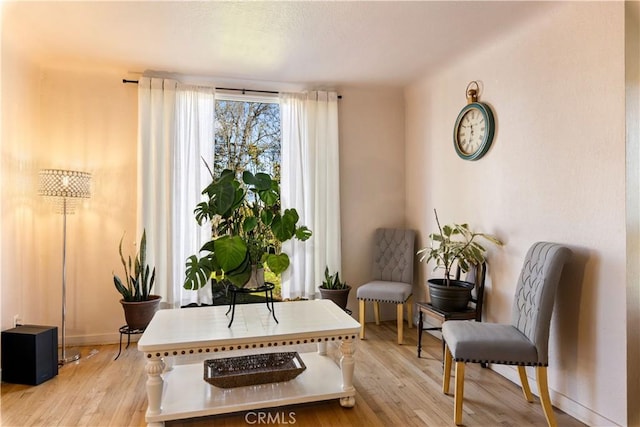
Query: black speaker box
point(29, 354)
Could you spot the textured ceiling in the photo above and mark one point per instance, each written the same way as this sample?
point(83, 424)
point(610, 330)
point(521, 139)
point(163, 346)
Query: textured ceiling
point(310, 43)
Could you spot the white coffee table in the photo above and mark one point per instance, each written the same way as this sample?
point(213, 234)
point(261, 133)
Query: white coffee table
point(177, 392)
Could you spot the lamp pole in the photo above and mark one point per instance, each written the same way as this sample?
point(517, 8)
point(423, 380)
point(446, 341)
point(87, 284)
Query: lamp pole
point(75, 354)
point(59, 185)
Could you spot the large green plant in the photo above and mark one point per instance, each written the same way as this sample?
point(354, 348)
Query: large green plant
point(455, 243)
point(139, 280)
point(248, 229)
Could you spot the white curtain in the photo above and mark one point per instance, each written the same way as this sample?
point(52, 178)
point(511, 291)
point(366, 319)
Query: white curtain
point(175, 132)
point(311, 184)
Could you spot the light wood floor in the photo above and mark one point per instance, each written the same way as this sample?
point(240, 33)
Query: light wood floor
point(394, 388)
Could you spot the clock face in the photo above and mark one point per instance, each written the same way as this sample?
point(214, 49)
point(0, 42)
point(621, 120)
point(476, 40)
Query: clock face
point(473, 131)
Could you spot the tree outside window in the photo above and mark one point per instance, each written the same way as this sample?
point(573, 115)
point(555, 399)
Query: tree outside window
point(247, 137)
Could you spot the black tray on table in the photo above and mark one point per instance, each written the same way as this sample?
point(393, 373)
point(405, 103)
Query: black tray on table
point(253, 369)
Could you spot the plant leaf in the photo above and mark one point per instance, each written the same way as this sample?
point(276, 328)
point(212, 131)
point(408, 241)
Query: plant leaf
point(266, 217)
point(197, 272)
point(260, 181)
point(303, 233)
point(126, 295)
point(278, 263)
point(202, 213)
point(230, 252)
point(222, 198)
point(240, 275)
point(284, 226)
point(270, 197)
point(249, 223)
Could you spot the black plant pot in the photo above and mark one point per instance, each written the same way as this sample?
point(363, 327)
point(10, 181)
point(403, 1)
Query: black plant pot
point(454, 297)
point(138, 314)
point(338, 296)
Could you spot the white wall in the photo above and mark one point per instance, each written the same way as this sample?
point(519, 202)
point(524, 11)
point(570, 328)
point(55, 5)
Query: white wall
point(632, 75)
point(89, 123)
point(556, 171)
point(65, 119)
point(20, 134)
point(371, 177)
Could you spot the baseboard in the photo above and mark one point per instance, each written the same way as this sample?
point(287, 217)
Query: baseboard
point(559, 400)
point(98, 339)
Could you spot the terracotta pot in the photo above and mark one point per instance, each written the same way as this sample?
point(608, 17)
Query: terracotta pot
point(256, 279)
point(138, 314)
point(454, 297)
point(338, 296)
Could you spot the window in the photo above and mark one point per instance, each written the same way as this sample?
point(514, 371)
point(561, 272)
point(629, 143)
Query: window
point(194, 139)
point(247, 135)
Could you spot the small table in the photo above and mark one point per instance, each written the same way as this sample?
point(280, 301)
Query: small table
point(267, 288)
point(428, 309)
point(178, 392)
point(126, 330)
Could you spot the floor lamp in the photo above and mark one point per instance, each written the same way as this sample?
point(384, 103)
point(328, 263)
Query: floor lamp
point(64, 188)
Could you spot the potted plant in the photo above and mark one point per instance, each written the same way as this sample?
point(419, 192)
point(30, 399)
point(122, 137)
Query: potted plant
point(454, 244)
point(335, 290)
point(248, 229)
point(138, 303)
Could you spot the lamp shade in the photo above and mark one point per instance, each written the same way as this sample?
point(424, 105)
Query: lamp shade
point(64, 183)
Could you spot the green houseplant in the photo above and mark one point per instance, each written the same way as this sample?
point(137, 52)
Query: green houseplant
point(454, 244)
point(138, 303)
point(248, 229)
point(334, 289)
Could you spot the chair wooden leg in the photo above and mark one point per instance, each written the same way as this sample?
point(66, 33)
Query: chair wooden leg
point(543, 389)
point(376, 312)
point(409, 312)
point(446, 373)
point(458, 393)
point(362, 317)
point(400, 321)
point(525, 383)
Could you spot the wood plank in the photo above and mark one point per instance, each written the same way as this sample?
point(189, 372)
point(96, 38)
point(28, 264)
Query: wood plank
point(393, 387)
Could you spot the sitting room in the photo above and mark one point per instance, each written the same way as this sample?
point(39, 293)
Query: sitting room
point(205, 140)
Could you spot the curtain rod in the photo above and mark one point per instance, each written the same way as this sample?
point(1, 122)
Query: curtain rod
point(229, 88)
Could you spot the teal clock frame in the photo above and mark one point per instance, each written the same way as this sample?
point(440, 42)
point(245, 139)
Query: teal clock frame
point(485, 110)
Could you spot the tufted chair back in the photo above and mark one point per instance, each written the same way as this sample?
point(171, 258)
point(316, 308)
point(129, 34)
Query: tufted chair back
point(393, 255)
point(535, 292)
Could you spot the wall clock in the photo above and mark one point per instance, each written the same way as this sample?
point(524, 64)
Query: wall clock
point(474, 128)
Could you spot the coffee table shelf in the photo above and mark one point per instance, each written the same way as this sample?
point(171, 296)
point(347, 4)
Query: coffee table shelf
point(187, 395)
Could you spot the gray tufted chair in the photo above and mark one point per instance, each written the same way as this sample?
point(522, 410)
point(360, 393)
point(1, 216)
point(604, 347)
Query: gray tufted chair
point(524, 342)
point(392, 275)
